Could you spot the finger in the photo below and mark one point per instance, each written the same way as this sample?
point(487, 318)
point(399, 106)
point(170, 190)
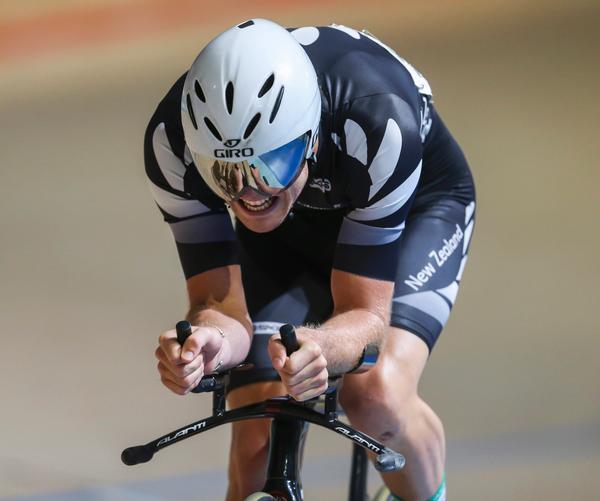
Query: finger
point(180, 370)
point(318, 388)
point(168, 343)
point(175, 388)
point(277, 352)
point(184, 383)
point(193, 346)
point(308, 384)
point(298, 360)
point(313, 369)
point(172, 386)
point(312, 393)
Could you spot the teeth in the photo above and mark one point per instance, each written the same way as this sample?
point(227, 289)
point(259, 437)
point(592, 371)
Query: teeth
point(258, 206)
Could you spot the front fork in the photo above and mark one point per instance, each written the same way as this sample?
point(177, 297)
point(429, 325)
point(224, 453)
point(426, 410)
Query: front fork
point(286, 449)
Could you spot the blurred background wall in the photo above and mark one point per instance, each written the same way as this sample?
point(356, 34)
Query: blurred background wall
point(89, 276)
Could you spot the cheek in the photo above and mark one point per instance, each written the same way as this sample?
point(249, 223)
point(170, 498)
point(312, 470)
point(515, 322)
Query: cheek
point(287, 200)
point(276, 218)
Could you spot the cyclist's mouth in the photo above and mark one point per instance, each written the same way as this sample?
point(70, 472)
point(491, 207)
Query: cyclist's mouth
point(257, 206)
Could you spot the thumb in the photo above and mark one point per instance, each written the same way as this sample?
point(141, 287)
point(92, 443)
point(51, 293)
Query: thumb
point(191, 348)
point(277, 352)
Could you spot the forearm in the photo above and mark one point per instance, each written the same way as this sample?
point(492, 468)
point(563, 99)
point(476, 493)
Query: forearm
point(345, 335)
point(237, 329)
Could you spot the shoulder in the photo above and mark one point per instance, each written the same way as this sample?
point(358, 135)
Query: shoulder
point(372, 98)
point(352, 64)
point(165, 122)
point(173, 180)
point(164, 145)
point(379, 142)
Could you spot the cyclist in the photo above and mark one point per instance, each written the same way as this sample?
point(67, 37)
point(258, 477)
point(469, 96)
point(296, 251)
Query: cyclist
point(308, 179)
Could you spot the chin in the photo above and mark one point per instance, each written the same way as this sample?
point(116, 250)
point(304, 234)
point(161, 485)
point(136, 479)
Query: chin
point(271, 218)
point(263, 223)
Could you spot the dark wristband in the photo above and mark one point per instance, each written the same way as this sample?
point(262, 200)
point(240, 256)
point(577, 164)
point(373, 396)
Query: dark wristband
point(367, 360)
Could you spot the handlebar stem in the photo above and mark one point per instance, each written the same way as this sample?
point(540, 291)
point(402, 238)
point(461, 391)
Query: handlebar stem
point(218, 401)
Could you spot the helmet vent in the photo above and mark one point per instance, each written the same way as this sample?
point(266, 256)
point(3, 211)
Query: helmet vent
point(199, 92)
point(212, 128)
point(191, 111)
point(229, 97)
point(246, 24)
point(267, 85)
point(277, 105)
point(251, 126)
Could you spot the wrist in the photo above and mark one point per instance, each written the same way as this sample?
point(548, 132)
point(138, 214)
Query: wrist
point(219, 340)
point(317, 335)
point(342, 348)
point(305, 333)
point(213, 326)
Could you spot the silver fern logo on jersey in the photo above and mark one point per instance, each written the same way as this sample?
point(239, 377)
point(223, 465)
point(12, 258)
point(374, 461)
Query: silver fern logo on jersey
point(321, 183)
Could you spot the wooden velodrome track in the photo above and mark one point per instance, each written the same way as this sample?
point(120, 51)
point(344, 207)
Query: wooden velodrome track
point(89, 275)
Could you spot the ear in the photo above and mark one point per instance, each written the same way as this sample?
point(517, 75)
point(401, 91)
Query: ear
point(313, 158)
point(316, 146)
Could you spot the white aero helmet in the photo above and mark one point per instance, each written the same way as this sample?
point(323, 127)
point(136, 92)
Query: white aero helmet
point(250, 109)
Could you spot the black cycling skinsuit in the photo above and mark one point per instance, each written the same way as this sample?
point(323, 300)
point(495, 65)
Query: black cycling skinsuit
point(390, 196)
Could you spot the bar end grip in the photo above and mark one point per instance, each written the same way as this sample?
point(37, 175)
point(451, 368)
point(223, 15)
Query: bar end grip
point(289, 339)
point(389, 461)
point(184, 330)
point(136, 455)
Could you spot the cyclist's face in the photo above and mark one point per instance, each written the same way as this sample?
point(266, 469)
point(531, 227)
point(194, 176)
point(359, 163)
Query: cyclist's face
point(261, 213)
